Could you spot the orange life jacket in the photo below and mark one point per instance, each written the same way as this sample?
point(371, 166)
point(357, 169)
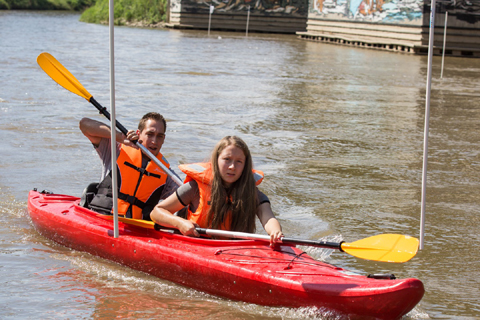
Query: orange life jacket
point(203, 175)
point(137, 184)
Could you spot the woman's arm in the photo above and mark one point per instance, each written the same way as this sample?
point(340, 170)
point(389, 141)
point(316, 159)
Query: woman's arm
point(163, 215)
point(270, 223)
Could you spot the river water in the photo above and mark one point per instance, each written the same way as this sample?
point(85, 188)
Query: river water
point(338, 132)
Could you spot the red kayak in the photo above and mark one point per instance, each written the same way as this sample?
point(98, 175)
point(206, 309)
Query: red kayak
point(245, 270)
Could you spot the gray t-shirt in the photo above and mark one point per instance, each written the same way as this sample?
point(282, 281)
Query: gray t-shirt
point(105, 154)
point(188, 194)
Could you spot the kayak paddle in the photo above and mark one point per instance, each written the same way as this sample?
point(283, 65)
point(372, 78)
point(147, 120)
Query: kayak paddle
point(63, 77)
point(384, 247)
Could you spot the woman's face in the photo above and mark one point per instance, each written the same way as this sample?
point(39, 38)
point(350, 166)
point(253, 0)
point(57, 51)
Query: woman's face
point(231, 162)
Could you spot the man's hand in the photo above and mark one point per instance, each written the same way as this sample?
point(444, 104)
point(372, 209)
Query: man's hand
point(130, 138)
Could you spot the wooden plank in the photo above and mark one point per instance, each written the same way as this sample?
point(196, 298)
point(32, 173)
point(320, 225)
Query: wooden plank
point(365, 26)
point(365, 34)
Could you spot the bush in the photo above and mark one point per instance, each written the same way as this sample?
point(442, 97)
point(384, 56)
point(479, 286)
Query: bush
point(4, 5)
point(147, 11)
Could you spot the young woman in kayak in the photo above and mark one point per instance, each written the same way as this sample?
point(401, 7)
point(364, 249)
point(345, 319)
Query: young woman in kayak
point(221, 194)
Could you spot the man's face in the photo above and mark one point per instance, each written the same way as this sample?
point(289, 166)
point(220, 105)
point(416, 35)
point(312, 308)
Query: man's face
point(153, 136)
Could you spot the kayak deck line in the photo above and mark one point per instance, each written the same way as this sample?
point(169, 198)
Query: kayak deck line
point(259, 278)
point(294, 258)
point(307, 261)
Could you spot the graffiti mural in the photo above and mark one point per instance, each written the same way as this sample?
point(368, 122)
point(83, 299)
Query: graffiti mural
point(388, 11)
point(175, 5)
point(267, 7)
point(393, 11)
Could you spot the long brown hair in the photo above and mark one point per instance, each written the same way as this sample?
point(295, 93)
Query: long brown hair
point(240, 198)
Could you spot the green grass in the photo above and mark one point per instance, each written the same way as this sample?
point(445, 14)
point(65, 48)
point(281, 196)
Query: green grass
point(146, 11)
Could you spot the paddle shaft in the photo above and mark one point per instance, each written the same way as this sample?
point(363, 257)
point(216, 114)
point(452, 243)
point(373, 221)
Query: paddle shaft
point(253, 236)
point(105, 112)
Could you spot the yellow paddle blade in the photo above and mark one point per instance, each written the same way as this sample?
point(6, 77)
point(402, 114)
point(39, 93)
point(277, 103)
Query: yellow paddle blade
point(135, 222)
point(384, 247)
point(61, 75)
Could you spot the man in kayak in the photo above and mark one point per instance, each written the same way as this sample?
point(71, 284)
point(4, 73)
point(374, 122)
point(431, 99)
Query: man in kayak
point(220, 194)
point(141, 183)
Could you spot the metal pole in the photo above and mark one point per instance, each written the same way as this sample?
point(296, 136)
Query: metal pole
point(427, 117)
point(248, 19)
point(444, 41)
point(210, 18)
point(113, 136)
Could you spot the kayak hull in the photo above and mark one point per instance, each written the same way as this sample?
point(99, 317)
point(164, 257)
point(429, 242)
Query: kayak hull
point(244, 270)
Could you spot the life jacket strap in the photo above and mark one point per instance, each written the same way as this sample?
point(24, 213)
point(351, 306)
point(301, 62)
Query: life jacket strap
point(132, 200)
point(142, 170)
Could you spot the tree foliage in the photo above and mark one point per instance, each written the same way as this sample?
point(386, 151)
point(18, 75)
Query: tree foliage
point(45, 4)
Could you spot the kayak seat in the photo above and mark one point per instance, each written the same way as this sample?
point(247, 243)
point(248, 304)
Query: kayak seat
point(88, 193)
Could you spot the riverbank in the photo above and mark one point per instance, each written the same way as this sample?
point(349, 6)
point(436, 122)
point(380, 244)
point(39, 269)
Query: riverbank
point(144, 24)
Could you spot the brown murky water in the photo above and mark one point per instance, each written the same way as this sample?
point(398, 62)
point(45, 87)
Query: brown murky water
point(338, 132)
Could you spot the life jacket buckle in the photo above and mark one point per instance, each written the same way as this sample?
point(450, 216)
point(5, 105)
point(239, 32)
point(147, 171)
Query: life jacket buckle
point(130, 199)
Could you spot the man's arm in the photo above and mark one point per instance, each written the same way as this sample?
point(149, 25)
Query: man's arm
point(95, 131)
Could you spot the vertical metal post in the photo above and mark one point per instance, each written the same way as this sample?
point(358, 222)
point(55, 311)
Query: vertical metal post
point(248, 19)
point(112, 120)
point(444, 41)
point(427, 117)
point(210, 18)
